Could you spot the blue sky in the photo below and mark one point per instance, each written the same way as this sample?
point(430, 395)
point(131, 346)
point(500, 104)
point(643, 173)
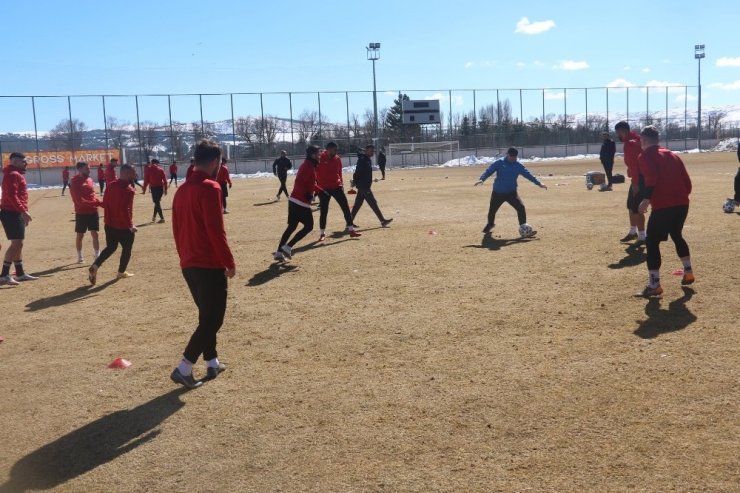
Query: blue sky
point(137, 47)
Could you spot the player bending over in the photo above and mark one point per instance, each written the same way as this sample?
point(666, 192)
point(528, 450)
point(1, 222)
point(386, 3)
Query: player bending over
point(667, 189)
point(505, 186)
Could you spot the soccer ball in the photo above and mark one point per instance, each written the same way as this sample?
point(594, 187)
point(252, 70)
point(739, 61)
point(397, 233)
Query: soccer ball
point(589, 185)
point(729, 206)
point(525, 230)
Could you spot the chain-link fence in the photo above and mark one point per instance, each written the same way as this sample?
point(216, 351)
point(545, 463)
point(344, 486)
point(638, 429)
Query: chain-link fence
point(254, 127)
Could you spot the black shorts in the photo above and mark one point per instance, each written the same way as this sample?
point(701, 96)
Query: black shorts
point(224, 189)
point(668, 221)
point(173, 176)
point(633, 200)
point(87, 222)
point(157, 193)
point(299, 214)
point(13, 224)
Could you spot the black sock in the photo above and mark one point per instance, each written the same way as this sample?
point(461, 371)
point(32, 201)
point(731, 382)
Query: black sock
point(6, 269)
point(19, 268)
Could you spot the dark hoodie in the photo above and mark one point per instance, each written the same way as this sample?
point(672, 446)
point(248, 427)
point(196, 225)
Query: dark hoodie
point(363, 176)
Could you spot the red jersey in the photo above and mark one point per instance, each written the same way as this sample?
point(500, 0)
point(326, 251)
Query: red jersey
point(189, 172)
point(101, 173)
point(223, 175)
point(666, 177)
point(15, 192)
point(329, 172)
point(155, 177)
point(173, 169)
point(632, 150)
point(83, 195)
point(65, 175)
point(305, 182)
point(198, 224)
point(110, 174)
point(118, 203)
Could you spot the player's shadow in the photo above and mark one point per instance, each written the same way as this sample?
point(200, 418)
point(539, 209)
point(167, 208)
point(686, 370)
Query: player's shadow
point(322, 244)
point(265, 203)
point(92, 445)
point(54, 270)
point(490, 243)
point(662, 321)
point(69, 297)
point(273, 272)
point(634, 256)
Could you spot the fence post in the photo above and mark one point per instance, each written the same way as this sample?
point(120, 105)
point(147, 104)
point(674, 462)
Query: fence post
point(685, 118)
point(233, 130)
point(71, 128)
point(105, 124)
point(36, 137)
point(475, 120)
point(138, 127)
point(588, 129)
point(292, 140)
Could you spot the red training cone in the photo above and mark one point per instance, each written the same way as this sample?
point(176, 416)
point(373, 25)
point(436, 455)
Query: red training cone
point(2, 338)
point(678, 272)
point(120, 364)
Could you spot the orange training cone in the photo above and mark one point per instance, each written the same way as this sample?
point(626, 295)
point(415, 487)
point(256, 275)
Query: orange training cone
point(120, 364)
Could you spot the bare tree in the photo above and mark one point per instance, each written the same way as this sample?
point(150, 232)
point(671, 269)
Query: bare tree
point(206, 130)
point(244, 128)
point(67, 134)
point(308, 126)
point(714, 121)
point(267, 128)
point(177, 140)
point(149, 131)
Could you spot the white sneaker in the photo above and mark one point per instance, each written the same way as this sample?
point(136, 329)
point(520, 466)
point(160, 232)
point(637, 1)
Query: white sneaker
point(80, 259)
point(26, 277)
point(8, 281)
point(278, 256)
point(287, 251)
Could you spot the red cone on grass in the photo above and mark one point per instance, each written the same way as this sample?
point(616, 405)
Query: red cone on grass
point(120, 364)
point(1, 339)
point(678, 272)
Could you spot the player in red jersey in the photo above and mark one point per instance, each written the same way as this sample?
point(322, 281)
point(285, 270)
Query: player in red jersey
point(65, 179)
point(632, 150)
point(157, 181)
point(15, 218)
point(86, 204)
point(224, 180)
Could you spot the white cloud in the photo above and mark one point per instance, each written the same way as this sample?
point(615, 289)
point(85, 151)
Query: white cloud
point(480, 64)
point(730, 86)
point(571, 65)
point(673, 87)
point(469, 65)
point(520, 64)
point(538, 63)
point(627, 68)
point(646, 70)
point(554, 95)
point(456, 99)
point(728, 62)
point(684, 98)
point(524, 26)
point(620, 83)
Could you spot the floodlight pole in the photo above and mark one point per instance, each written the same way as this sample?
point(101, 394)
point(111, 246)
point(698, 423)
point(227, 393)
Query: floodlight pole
point(373, 55)
point(699, 54)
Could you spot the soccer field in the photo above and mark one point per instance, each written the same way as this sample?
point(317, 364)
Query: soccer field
point(415, 358)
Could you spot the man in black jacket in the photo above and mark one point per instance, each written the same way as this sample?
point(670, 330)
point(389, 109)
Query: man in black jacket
point(280, 169)
point(363, 180)
point(606, 156)
point(382, 161)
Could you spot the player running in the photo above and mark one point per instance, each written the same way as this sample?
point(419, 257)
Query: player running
point(667, 190)
point(155, 178)
point(190, 169)
point(505, 187)
point(118, 204)
point(65, 179)
point(224, 181)
point(632, 150)
point(205, 259)
point(14, 217)
point(110, 172)
point(280, 169)
point(173, 173)
point(733, 202)
point(101, 178)
point(86, 204)
point(330, 184)
point(299, 205)
point(363, 179)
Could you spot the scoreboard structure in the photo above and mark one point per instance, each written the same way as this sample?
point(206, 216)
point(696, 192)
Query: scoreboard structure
point(421, 112)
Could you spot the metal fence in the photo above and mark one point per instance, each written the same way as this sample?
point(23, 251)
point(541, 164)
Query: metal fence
point(254, 127)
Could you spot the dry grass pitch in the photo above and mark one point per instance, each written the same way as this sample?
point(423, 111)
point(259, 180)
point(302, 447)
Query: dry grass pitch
point(416, 358)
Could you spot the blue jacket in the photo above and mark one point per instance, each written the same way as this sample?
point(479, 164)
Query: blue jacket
point(507, 174)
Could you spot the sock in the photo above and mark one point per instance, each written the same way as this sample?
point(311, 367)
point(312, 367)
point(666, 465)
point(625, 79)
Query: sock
point(79, 253)
point(350, 228)
point(633, 230)
point(6, 269)
point(212, 363)
point(185, 367)
point(686, 264)
point(322, 232)
point(654, 279)
point(97, 253)
point(19, 268)
point(641, 235)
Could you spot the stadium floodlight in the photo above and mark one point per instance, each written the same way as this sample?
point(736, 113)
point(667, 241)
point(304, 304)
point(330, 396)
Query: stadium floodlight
point(698, 55)
point(374, 55)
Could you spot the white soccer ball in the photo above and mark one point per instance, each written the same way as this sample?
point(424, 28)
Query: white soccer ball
point(525, 230)
point(729, 206)
point(589, 185)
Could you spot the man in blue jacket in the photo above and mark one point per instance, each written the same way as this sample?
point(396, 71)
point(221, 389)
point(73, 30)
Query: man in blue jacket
point(507, 172)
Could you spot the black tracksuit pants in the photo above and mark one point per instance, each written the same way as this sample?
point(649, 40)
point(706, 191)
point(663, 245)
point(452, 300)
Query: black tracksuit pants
point(324, 197)
point(209, 288)
point(608, 170)
point(512, 198)
point(157, 193)
point(737, 186)
point(297, 214)
point(366, 195)
point(663, 223)
point(283, 187)
point(114, 237)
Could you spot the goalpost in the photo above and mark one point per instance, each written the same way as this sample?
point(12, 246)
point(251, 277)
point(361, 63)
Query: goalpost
point(409, 154)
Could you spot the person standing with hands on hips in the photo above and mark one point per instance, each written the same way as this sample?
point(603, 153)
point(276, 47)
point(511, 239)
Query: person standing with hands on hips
point(205, 259)
point(505, 186)
point(606, 156)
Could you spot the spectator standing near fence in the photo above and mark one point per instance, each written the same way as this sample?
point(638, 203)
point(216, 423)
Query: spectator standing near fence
point(606, 156)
